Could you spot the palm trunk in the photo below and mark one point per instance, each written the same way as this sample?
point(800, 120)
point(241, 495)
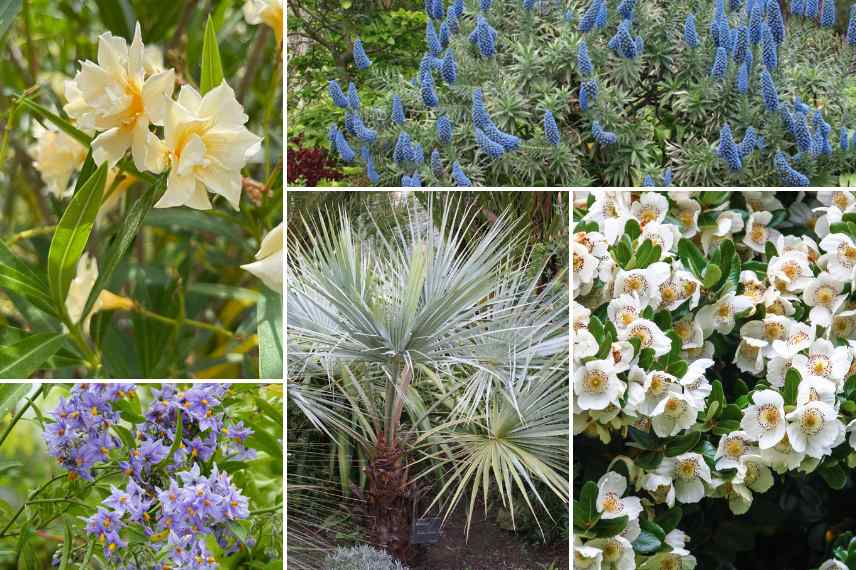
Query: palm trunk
point(388, 499)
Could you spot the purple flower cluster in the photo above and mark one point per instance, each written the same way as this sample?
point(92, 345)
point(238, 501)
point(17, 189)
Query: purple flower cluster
point(80, 435)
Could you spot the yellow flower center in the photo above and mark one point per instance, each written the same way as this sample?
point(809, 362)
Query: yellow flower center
point(824, 295)
point(758, 234)
point(734, 447)
point(634, 284)
point(643, 334)
point(612, 503)
point(687, 469)
point(595, 381)
point(768, 416)
point(811, 421)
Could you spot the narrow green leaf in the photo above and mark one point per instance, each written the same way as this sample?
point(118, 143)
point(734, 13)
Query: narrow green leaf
point(118, 16)
point(130, 226)
point(24, 357)
point(717, 395)
point(71, 236)
point(67, 542)
point(269, 313)
point(58, 121)
point(8, 11)
point(212, 67)
point(17, 276)
point(10, 395)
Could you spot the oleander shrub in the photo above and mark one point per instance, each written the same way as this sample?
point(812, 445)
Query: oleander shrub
point(714, 379)
point(522, 93)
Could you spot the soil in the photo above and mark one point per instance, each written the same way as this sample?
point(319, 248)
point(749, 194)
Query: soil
point(489, 548)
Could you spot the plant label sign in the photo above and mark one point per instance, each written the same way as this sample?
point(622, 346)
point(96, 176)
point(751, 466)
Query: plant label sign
point(426, 531)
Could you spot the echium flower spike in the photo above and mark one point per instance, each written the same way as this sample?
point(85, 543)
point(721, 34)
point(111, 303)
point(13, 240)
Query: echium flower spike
point(337, 95)
point(444, 35)
point(720, 64)
point(602, 136)
point(626, 9)
point(789, 176)
point(735, 5)
point(551, 129)
point(429, 96)
point(728, 149)
point(397, 110)
point(493, 149)
point(774, 19)
point(361, 60)
point(768, 91)
point(346, 153)
point(589, 18)
point(452, 22)
point(459, 177)
point(431, 39)
point(768, 49)
point(802, 135)
point(485, 37)
point(797, 7)
point(528, 4)
point(690, 33)
point(667, 177)
point(444, 129)
point(436, 163)
point(843, 138)
point(481, 118)
point(484, 5)
point(458, 8)
point(588, 93)
point(584, 65)
point(371, 172)
point(851, 27)
point(602, 15)
point(811, 9)
point(755, 21)
point(437, 10)
point(353, 97)
point(741, 44)
point(827, 16)
point(648, 181)
point(449, 69)
point(743, 78)
point(748, 144)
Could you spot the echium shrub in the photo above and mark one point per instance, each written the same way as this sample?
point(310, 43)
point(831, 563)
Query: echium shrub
point(714, 367)
point(662, 77)
point(176, 495)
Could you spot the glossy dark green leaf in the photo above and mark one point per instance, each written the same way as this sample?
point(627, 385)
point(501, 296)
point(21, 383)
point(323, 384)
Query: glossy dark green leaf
point(606, 528)
point(669, 520)
point(17, 276)
point(26, 356)
point(71, 235)
point(645, 440)
point(632, 229)
point(711, 276)
point(585, 508)
point(682, 444)
point(691, 257)
point(791, 388)
point(647, 543)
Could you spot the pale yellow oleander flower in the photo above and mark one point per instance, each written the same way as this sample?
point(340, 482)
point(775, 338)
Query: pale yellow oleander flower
point(268, 268)
point(205, 145)
point(56, 156)
point(80, 288)
point(269, 12)
point(115, 98)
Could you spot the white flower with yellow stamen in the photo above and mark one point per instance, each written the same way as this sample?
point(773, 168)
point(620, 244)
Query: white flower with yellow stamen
point(814, 429)
point(841, 199)
point(832, 564)
point(727, 224)
point(649, 335)
point(749, 356)
point(719, 316)
point(268, 12)
point(767, 331)
point(800, 337)
point(617, 553)
point(642, 283)
point(753, 287)
point(610, 501)
point(686, 211)
point(669, 561)
point(56, 155)
point(690, 332)
point(117, 99)
point(824, 296)
point(268, 268)
point(682, 285)
point(594, 242)
point(651, 207)
point(687, 473)
point(663, 235)
point(694, 383)
point(596, 385)
point(790, 271)
point(764, 420)
point(758, 233)
point(782, 457)
point(611, 211)
point(732, 447)
point(653, 387)
point(673, 414)
point(840, 257)
point(825, 361)
point(814, 389)
point(587, 557)
point(585, 268)
point(206, 145)
point(776, 303)
point(623, 310)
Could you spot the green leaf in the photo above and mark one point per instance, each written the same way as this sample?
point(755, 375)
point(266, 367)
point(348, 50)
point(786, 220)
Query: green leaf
point(261, 440)
point(269, 313)
point(71, 236)
point(717, 394)
point(647, 543)
point(192, 221)
point(17, 276)
point(683, 443)
point(652, 527)
point(58, 121)
point(646, 440)
point(8, 11)
point(596, 328)
point(10, 395)
point(118, 16)
point(770, 250)
point(585, 509)
point(650, 460)
point(691, 256)
point(791, 388)
point(606, 528)
point(710, 277)
point(632, 229)
point(212, 67)
point(669, 520)
point(129, 228)
point(26, 356)
point(835, 476)
point(714, 198)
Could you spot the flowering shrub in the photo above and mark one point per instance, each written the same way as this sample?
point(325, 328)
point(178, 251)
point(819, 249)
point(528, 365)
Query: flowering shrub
point(169, 469)
point(538, 93)
point(714, 365)
point(151, 148)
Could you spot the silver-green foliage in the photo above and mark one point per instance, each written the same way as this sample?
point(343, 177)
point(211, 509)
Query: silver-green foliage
point(361, 557)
